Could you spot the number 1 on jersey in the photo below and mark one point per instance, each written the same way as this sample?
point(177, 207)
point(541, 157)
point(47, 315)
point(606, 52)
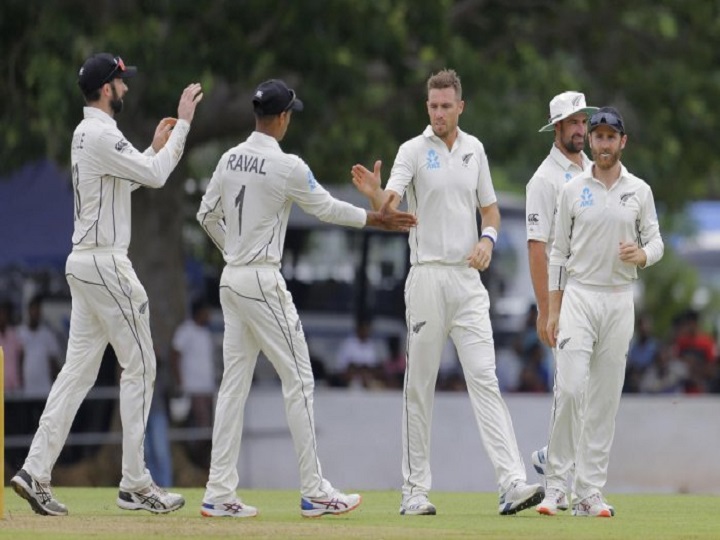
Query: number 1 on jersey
point(239, 201)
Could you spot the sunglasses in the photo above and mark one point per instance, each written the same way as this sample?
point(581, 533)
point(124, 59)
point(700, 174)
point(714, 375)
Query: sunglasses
point(118, 68)
point(607, 118)
point(292, 100)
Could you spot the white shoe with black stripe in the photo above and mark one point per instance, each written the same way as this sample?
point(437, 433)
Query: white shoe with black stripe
point(152, 498)
point(38, 494)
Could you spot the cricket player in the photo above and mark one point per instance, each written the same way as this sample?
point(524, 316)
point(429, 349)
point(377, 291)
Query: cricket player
point(568, 120)
point(446, 175)
point(606, 228)
point(245, 212)
point(109, 304)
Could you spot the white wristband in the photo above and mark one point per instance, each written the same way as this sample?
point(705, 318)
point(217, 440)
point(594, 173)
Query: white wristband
point(490, 233)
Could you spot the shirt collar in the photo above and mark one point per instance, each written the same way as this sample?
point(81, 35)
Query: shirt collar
point(263, 140)
point(98, 114)
point(624, 174)
point(566, 163)
point(430, 134)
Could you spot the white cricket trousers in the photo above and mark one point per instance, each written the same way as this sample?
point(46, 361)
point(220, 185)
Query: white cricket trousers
point(260, 316)
point(595, 328)
point(442, 301)
point(109, 305)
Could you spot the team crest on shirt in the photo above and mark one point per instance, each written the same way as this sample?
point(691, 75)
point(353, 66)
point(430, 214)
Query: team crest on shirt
point(533, 219)
point(586, 198)
point(312, 183)
point(625, 197)
point(121, 145)
point(568, 176)
point(466, 159)
point(433, 159)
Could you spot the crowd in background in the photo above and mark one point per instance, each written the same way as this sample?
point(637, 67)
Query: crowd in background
point(684, 362)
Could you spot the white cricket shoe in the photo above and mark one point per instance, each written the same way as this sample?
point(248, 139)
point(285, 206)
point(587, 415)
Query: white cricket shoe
point(520, 496)
point(553, 501)
point(335, 503)
point(152, 498)
point(539, 461)
point(417, 505)
point(594, 505)
point(38, 494)
point(235, 508)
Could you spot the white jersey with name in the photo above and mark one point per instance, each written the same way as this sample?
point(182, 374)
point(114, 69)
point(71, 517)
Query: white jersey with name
point(542, 193)
point(446, 188)
point(592, 221)
point(106, 168)
point(247, 204)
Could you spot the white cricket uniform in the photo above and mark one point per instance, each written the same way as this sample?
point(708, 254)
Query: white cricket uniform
point(444, 297)
point(596, 318)
point(542, 193)
point(245, 211)
point(109, 304)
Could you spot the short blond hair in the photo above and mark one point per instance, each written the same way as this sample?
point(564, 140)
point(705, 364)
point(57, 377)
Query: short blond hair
point(447, 78)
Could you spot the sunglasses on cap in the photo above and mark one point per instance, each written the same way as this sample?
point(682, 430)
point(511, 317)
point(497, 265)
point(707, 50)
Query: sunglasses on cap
point(292, 100)
point(118, 68)
point(608, 118)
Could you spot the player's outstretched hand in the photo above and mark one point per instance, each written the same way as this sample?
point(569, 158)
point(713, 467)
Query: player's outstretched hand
point(367, 183)
point(391, 219)
point(162, 133)
point(191, 96)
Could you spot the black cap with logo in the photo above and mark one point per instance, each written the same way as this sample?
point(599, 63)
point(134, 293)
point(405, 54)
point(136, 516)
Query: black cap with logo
point(102, 68)
point(607, 116)
point(274, 97)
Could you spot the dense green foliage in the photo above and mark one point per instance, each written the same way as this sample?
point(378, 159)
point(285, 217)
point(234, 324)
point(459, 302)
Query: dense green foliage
point(361, 67)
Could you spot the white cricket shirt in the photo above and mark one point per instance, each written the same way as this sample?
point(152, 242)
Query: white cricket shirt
point(247, 204)
point(542, 194)
point(592, 221)
point(445, 188)
point(106, 168)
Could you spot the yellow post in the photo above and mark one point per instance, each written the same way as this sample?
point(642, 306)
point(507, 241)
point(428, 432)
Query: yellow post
point(2, 434)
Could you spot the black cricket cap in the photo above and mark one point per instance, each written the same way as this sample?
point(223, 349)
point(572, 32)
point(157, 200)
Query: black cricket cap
point(274, 97)
point(102, 68)
point(608, 116)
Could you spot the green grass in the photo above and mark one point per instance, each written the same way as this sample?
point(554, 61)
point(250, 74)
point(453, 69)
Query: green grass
point(93, 514)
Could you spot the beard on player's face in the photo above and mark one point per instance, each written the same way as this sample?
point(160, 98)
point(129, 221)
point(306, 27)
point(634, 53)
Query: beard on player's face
point(605, 158)
point(116, 103)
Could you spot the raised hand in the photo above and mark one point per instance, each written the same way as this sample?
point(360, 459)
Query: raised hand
point(191, 96)
point(162, 133)
point(367, 182)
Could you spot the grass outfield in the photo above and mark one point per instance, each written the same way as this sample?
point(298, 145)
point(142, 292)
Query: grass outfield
point(93, 514)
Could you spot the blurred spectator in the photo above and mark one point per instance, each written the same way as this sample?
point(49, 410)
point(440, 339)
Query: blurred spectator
point(193, 367)
point(642, 352)
point(534, 374)
point(394, 365)
point(41, 352)
point(536, 364)
point(691, 339)
point(157, 438)
point(12, 348)
point(358, 360)
point(665, 375)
